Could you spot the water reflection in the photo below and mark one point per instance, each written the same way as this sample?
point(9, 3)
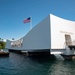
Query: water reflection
point(64, 67)
point(18, 64)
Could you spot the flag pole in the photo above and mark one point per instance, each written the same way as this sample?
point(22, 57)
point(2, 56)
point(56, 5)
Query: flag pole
point(30, 23)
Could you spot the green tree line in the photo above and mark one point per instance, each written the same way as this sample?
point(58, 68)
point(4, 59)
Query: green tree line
point(2, 44)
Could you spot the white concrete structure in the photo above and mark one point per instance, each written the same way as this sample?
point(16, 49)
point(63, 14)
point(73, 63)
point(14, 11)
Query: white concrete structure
point(51, 33)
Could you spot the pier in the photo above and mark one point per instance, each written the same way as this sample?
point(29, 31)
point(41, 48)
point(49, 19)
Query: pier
point(4, 53)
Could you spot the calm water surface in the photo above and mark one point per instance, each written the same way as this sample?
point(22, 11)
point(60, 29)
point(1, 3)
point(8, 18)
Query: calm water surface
point(17, 64)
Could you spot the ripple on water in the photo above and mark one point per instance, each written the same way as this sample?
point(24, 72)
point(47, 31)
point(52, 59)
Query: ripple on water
point(17, 64)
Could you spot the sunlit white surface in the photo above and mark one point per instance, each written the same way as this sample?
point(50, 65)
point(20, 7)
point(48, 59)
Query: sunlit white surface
point(56, 52)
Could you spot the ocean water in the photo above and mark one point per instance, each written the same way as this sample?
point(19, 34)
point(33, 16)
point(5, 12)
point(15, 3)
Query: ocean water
point(19, 64)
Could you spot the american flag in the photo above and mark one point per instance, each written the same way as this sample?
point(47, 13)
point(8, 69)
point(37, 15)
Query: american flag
point(27, 20)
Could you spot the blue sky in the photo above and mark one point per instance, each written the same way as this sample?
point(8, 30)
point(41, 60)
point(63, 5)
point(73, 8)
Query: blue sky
point(13, 12)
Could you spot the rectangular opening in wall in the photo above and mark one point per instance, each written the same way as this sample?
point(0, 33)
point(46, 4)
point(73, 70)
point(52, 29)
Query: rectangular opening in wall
point(68, 40)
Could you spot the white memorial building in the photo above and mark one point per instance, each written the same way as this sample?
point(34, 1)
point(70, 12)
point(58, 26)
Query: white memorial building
point(52, 33)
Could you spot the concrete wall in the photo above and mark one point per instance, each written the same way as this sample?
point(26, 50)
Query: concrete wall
point(48, 34)
point(60, 27)
point(37, 38)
